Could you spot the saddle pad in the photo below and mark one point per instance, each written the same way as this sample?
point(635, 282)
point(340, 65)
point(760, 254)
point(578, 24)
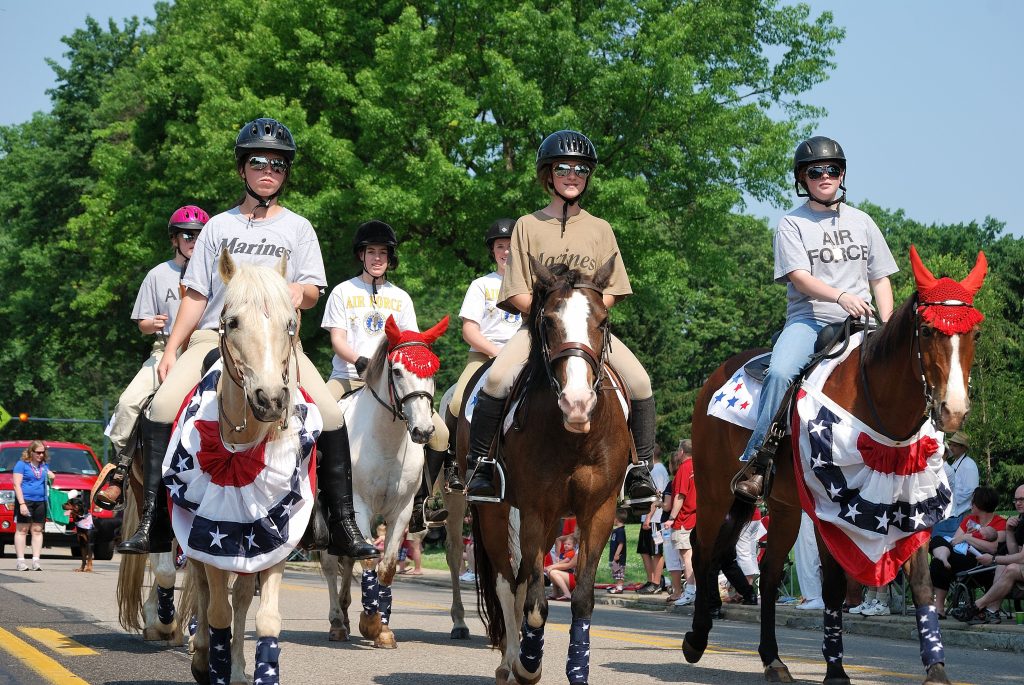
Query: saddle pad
point(874, 499)
point(240, 508)
point(736, 401)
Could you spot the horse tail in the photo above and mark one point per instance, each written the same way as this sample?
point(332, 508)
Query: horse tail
point(488, 606)
point(739, 515)
point(130, 574)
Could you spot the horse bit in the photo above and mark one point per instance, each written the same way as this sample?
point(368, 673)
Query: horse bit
point(595, 360)
point(395, 406)
point(231, 364)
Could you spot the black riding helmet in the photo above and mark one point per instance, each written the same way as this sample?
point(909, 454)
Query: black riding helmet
point(818, 149)
point(376, 232)
point(501, 228)
point(264, 134)
point(565, 145)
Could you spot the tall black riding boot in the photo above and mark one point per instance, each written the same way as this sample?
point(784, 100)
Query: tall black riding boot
point(452, 482)
point(432, 464)
point(640, 488)
point(482, 430)
point(334, 473)
point(154, 531)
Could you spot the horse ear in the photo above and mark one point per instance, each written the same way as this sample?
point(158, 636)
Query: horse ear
point(924, 278)
point(391, 330)
point(541, 273)
point(972, 283)
point(604, 274)
point(431, 335)
point(282, 266)
point(226, 266)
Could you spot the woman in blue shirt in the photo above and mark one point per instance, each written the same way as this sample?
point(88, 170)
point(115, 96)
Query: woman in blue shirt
point(31, 478)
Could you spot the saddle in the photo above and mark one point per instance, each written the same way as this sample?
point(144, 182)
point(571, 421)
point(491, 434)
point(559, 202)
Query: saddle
point(829, 337)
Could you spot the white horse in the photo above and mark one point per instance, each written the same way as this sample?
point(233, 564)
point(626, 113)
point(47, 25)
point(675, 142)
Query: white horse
point(243, 509)
point(387, 466)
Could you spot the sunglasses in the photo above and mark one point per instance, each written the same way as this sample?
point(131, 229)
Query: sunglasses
point(562, 170)
point(188, 236)
point(38, 451)
point(816, 172)
point(276, 165)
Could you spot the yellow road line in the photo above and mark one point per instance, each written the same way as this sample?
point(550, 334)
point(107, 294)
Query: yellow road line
point(42, 664)
point(61, 644)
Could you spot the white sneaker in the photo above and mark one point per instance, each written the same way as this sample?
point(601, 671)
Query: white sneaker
point(686, 599)
point(876, 609)
point(22, 566)
point(468, 577)
point(860, 608)
point(811, 605)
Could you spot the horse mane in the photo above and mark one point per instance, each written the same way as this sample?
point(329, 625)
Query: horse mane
point(261, 287)
point(891, 338)
point(376, 366)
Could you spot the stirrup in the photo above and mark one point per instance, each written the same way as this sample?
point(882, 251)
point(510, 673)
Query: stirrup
point(636, 502)
point(750, 469)
point(498, 473)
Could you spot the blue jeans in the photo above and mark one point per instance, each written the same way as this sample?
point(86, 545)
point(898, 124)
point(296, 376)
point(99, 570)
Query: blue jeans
point(790, 355)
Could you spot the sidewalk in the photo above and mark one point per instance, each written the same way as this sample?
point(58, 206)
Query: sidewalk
point(1005, 637)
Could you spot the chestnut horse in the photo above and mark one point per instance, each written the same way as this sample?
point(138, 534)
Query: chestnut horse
point(914, 369)
point(553, 469)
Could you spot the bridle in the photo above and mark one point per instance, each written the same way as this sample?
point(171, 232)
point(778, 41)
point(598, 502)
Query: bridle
point(595, 359)
point(394, 405)
point(232, 372)
point(932, 404)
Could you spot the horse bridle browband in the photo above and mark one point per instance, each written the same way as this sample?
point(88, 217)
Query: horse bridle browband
point(931, 403)
point(596, 360)
point(231, 365)
point(395, 406)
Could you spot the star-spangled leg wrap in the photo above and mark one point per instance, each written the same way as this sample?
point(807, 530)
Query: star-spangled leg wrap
point(165, 604)
point(371, 592)
point(193, 625)
point(929, 636)
point(220, 655)
point(832, 642)
point(385, 603)
point(531, 647)
point(268, 654)
point(577, 663)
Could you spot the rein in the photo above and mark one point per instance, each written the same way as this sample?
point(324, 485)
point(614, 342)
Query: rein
point(395, 405)
point(596, 360)
point(232, 372)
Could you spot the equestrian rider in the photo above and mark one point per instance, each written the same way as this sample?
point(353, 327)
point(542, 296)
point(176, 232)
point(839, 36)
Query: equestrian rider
point(562, 232)
point(258, 230)
point(831, 256)
point(355, 315)
point(155, 309)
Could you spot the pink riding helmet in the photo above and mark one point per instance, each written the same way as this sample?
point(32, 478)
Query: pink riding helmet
point(187, 218)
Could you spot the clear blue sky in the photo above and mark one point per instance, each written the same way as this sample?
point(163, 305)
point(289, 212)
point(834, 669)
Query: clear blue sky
point(926, 96)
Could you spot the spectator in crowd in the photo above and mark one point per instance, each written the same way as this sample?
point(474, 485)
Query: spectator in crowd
point(962, 474)
point(747, 546)
point(808, 565)
point(876, 602)
point(1009, 569)
point(617, 552)
point(650, 540)
point(469, 575)
point(673, 563)
point(684, 518)
point(31, 478)
point(562, 573)
point(951, 556)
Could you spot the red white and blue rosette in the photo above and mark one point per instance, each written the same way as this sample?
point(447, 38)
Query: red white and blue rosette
point(240, 508)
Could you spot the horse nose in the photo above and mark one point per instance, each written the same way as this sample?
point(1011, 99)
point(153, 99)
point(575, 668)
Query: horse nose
point(421, 436)
point(271, 404)
point(577, 405)
point(953, 414)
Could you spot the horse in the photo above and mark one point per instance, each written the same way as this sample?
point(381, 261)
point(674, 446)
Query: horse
point(912, 371)
point(387, 466)
point(238, 469)
point(568, 457)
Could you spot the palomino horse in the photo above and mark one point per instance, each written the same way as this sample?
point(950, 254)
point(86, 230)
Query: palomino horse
point(387, 466)
point(913, 370)
point(569, 458)
point(238, 468)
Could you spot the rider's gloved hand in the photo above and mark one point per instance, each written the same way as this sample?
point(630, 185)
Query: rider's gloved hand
point(361, 365)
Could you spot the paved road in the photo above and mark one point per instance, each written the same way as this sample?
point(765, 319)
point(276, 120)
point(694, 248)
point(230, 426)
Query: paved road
point(61, 627)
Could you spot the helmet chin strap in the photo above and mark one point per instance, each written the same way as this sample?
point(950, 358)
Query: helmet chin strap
point(567, 202)
point(374, 279)
point(261, 201)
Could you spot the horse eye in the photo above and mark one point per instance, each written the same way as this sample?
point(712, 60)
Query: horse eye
point(232, 323)
point(926, 331)
point(977, 335)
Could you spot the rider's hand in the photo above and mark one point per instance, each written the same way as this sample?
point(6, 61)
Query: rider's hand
point(297, 293)
point(159, 321)
point(854, 305)
point(361, 365)
point(166, 364)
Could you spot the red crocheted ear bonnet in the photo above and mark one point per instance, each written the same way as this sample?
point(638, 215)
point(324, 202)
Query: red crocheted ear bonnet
point(944, 303)
point(419, 359)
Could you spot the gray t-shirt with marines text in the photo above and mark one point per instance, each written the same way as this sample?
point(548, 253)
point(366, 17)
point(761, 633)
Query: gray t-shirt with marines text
point(159, 294)
point(261, 242)
point(843, 248)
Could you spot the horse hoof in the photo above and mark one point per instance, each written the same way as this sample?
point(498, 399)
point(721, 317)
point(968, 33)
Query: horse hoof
point(777, 672)
point(690, 653)
point(836, 681)
point(337, 635)
point(175, 639)
point(201, 677)
point(524, 677)
point(386, 640)
point(460, 633)
point(936, 675)
point(501, 676)
point(370, 625)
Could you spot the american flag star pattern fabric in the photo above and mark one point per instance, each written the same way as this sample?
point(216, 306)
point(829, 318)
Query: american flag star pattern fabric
point(240, 508)
point(873, 499)
point(736, 401)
